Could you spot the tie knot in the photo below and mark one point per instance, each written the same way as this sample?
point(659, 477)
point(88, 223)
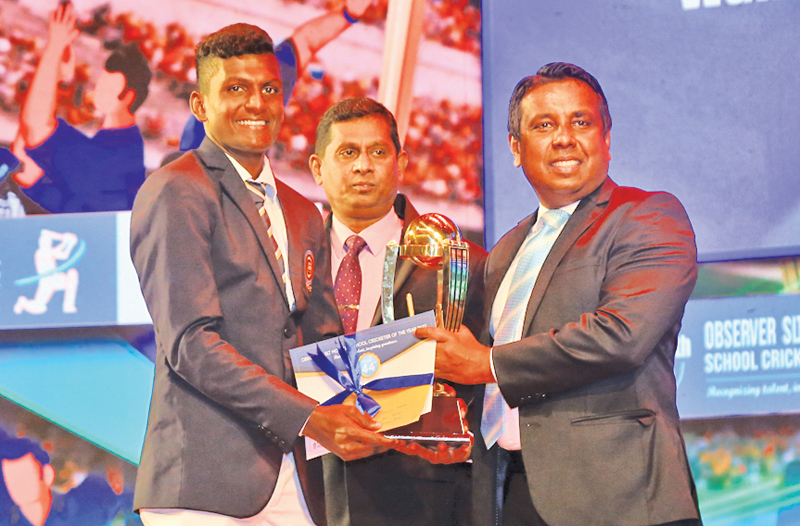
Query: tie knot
point(258, 191)
point(555, 218)
point(356, 243)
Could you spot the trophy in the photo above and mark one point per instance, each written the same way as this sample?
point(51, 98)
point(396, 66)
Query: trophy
point(434, 242)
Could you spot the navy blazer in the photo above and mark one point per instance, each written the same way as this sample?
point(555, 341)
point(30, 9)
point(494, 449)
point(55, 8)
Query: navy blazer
point(224, 409)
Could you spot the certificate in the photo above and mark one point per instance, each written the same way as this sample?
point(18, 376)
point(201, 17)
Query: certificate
point(385, 371)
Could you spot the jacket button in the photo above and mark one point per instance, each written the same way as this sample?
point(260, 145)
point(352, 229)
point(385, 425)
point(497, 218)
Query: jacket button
point(287, 332)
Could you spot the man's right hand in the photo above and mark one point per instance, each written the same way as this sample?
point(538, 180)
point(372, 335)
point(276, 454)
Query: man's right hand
point(61, 30)
point(37, 119)
point(347, 433)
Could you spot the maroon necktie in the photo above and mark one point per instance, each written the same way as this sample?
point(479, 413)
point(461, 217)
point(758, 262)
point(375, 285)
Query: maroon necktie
point(348, 283)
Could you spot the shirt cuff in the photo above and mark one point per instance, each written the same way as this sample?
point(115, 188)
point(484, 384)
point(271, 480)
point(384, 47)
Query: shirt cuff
point(491, 363)
point(302, 429)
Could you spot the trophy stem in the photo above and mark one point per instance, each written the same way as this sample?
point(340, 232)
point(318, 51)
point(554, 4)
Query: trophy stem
point(387, 286)
point(439, 294)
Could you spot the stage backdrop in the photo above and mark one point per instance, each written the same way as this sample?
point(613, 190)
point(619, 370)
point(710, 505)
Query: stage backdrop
point(703, 95)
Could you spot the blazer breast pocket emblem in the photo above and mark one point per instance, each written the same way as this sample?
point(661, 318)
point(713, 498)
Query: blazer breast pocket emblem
point(308, 269)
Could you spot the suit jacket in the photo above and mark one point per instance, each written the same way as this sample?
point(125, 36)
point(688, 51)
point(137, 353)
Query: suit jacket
point(224, 409)
point(388, 488)
point(592, 375)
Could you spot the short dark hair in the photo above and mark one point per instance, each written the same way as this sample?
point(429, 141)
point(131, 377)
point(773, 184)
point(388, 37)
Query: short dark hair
point(350, 109)
point(553, 72)
point(129, 60)
point(234, 40)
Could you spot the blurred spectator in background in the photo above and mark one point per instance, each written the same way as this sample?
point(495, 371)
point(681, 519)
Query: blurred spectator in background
point(26, 497)
point(451, 23)
point(443, 136)
point(83, 174)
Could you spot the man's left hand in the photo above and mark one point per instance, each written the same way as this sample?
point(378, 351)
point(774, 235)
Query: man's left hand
point(459, 356)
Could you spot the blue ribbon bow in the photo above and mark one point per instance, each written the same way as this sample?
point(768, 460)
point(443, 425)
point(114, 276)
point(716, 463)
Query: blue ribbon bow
point(350, 377)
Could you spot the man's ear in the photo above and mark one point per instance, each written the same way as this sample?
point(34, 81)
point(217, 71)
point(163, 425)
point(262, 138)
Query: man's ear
point(513, 143)
point(127, 99)
point(402, 164)
point(48, 475)
point(198, 106)
point(315, 165)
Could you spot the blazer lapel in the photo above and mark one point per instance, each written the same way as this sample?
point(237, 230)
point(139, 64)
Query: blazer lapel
point(296, 257)
point(404, 269)
point(590, 208)
point(230, 182)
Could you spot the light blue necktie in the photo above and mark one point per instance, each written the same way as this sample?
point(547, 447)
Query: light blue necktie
point(532, 256)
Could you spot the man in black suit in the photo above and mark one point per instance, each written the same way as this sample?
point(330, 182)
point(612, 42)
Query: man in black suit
point(583, 336)
point(360, 164)
point(235, 271)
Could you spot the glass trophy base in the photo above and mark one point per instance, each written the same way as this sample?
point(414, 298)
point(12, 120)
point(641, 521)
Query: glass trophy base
point(442, 424)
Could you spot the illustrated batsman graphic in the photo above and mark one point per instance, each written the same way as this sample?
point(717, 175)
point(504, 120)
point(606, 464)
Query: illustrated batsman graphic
point(53, 276)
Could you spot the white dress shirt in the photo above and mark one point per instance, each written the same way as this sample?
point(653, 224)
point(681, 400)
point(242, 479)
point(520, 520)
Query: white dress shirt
point(510, 439)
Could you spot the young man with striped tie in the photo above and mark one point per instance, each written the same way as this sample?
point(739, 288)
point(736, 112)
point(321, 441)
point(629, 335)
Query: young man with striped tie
point(235, 271)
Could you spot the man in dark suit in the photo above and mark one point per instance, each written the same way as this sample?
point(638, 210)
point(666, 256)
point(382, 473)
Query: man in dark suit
point(584, 304)
point(360, 163)
point(235, 271)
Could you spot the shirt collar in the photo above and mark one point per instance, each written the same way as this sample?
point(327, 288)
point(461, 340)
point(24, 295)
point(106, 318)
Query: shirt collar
point(266, 176)
point(570, 209)
point(377, 235)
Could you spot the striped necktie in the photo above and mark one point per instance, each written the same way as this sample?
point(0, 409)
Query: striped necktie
point(531, 257)
point(259, 193)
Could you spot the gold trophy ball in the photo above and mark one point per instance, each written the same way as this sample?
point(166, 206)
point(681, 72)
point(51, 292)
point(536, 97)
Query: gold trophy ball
point(426, 237)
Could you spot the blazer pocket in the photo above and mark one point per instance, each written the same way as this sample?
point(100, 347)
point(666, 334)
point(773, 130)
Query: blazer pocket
point(644, 416)
point(571, 264)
